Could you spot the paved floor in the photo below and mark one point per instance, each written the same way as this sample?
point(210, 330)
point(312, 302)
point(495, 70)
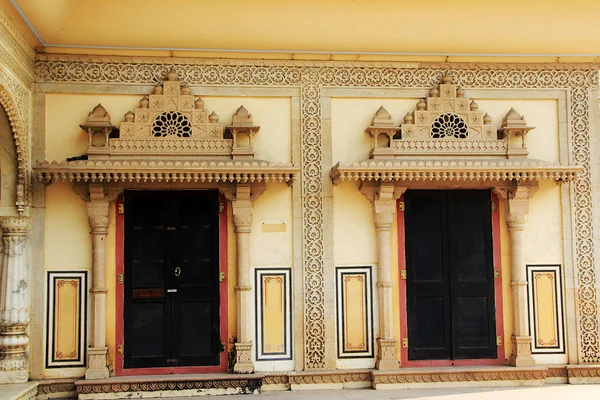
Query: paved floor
point(548, 392)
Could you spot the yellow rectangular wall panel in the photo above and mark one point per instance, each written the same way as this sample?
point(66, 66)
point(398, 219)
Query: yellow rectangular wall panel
point(66, 319)
point(273, 314)
point(354, 312)
point(545, 308)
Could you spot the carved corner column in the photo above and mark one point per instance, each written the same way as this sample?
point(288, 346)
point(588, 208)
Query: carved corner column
point(518, 206)
point(98, 216)
point(383, 196)
point(242, 197)
point(14, 301)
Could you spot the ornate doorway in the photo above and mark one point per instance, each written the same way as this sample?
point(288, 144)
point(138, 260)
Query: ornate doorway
point(450, 275)
point(171, 279)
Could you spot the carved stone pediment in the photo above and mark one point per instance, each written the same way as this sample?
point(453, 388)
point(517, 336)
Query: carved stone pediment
point(170, 137)
point(447, 124)
point(447, 140)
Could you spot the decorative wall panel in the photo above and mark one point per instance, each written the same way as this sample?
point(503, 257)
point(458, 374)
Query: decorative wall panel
point(546, 322)
point(354, 304)
point(67, 306)
point(273, 314)
point(577, 80)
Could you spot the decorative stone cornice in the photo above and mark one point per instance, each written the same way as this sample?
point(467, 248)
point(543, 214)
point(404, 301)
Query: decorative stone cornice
point(107, 171)
point(14, 226)
point(456, 170)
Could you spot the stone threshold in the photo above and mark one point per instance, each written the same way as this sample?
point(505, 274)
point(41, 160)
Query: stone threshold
point(19, 391)
point(145, 386)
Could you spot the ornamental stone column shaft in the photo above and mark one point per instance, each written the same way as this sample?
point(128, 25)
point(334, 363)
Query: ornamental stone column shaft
point(518, 206)
point(383, 196)
point(14, 301)
point(242, 198)
point(98, 216)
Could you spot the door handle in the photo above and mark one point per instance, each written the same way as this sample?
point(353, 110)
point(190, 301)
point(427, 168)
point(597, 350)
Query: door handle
point(177, 271)
point(171, 290)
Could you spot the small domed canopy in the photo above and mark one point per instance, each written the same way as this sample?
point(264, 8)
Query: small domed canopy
point(241, 117)
point(513, 119)
point(97, 118)
point(99, 110)
point(382, 118)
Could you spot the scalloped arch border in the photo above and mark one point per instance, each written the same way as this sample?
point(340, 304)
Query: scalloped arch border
point(20, 141)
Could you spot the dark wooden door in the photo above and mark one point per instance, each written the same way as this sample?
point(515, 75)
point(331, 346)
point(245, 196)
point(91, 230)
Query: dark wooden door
point(171, 279)
point(450, 275)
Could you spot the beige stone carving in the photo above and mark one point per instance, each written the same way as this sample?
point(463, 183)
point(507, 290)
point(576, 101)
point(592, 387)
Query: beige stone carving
point(383, 197)
point(242, 197)
point(575, 79)
point(14, 301)
point(517, 198)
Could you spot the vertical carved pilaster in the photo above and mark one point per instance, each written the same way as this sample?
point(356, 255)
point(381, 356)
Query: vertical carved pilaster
point(98, 216)
point(383, 196)
point(14, 301)
point(242, 197)
point(518, 206)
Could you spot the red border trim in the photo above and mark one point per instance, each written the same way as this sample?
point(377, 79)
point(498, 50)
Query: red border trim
point(119, 292)
point(500, 360)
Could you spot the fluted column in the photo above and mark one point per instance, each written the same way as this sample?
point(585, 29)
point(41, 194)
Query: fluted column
point(242, 206)
point(98, 208)
point(383, 197)
point(518, 206)
point(14, 301)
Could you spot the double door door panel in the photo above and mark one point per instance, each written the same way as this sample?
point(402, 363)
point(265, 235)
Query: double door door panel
point(450, 275)
point(171, 279)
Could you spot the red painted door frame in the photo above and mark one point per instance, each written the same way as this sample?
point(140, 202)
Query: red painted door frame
point(119, 292)
point(500, 360)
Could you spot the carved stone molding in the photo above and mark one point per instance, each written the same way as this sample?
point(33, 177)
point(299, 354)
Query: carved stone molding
point(328, 377)
point(311, 77)
point(459, 375)
point(246, 384)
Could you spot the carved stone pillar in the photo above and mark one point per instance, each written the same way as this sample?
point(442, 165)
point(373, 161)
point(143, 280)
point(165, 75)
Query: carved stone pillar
point(383, 196)
point(98, 208)
point(242, 197)
point(518, 206)
point(14, 301)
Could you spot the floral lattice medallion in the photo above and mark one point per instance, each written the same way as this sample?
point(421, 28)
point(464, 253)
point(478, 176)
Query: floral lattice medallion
point(447, 124)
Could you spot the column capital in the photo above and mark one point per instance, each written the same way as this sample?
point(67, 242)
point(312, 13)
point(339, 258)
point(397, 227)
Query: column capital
point(383, 196)
point(517, 196)
point(242, 197)
point(98, 206)
point(14, 227)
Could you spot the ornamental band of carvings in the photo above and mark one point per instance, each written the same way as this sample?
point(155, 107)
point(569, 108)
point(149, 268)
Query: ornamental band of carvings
point(246, 385)
point(311, 77)
point(460, 376)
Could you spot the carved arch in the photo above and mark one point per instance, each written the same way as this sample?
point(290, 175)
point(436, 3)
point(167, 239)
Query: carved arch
point(20, 141)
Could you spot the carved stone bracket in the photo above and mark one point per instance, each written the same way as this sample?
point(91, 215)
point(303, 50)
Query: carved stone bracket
point(517, 198)
point(383, 197)
point(14, 301)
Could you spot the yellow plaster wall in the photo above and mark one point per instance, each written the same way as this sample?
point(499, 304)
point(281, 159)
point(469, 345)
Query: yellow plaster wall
point(68, 243)
point(354, 233)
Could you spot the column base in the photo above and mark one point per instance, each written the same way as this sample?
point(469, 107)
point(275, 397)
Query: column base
point(243, 358)
point(97, 365)
point(386, 354)
point(521, 352)
point(14, 366)
point(14, 370)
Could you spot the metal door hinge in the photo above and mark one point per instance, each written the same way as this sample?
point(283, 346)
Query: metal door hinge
point(221, 207)
point(121, 278)
point(121, 208)
point(222, 277)
point(496, 273)
point(498, 341)
point(494, 206)
point(121, 349)
point(405, 343)
point(401, 206)
point(402, 274)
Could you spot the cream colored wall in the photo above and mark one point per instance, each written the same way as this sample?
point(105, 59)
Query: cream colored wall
point(68, 243)
point(354, 233)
